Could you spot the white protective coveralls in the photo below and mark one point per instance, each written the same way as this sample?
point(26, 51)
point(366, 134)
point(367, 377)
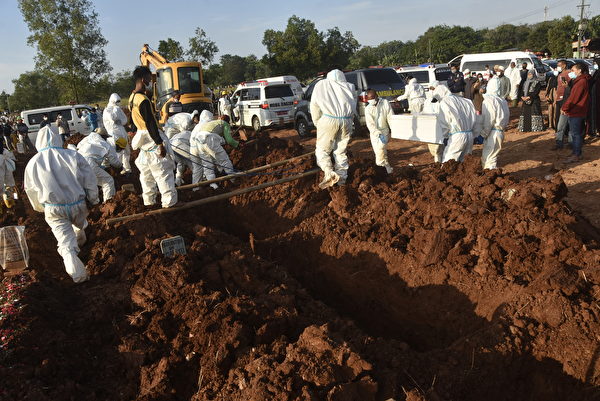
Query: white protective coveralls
point(7, 180)
point(155, 171)
point(490, 125)
point(332, 106)
point(96, 152)
point(179, 131)
point(114, 122)
point(430, 107)
point(57, 182)
point(415, 94)
point(208, 147)
point(379, 129)
point(514, 76)
point(457, 118)
point(225, 106)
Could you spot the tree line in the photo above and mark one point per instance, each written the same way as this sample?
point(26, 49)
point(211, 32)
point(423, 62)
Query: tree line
point(72, 66)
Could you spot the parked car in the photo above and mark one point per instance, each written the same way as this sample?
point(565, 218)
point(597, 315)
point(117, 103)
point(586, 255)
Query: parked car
point(425, 75)
point(385, 81)
point(477, 62)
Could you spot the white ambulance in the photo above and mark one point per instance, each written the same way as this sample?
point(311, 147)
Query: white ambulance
point(266, 102)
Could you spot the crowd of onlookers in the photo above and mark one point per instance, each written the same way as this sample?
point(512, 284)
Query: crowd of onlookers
point(572, 96)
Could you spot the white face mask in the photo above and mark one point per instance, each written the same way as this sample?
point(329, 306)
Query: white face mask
point(498, 73)
point(481, 79)
point(372, 102)
point(559, 69)
point(453, 71)
point(555, 73)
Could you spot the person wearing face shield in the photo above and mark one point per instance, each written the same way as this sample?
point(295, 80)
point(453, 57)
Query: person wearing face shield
point(414, 93)
point(457, 118)
point(58, 182)
point(531, 119)
point(490, 124)
point(333, 106)
point(377, 113)
point(155, 160)
point(207, 145)
point(114, 120)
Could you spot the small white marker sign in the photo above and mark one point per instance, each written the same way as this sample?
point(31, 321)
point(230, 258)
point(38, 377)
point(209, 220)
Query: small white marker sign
point(173, 246)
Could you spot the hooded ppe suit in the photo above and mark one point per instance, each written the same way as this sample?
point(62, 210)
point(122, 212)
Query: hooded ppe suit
point(432, 106)
point(514, 77)
point(225, 106)
point(379, 129)
point(490, 125)
point(415, 94)
point(96, 152)
point(179, 131)
point(57, 182)
point(7, 180)
point(208, 147)
point(114, 122)
point(499, 86)
point(457, 118)
point(332, 106)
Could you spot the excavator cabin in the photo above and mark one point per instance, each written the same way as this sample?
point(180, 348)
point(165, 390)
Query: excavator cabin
point(185, 77)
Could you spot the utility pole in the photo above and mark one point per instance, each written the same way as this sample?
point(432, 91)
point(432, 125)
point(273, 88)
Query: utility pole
point(581, 27)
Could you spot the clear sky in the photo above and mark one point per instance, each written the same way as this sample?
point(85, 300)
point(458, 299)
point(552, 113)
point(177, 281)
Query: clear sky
point(237, 26)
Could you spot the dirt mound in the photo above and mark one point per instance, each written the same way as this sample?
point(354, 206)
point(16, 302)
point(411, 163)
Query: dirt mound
point(440, 283)
point(74, 139)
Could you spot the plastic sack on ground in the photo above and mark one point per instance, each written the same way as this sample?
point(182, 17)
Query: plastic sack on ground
point(14, 254)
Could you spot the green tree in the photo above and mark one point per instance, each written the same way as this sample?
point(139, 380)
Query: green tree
point(339, 47)
point(69, 44)
point(441, 43)
point(537, 40)
point(505, 37)
point(201, 48)
point(4, 102)
point(171, 50)
point(561, 36)
point(34, 89)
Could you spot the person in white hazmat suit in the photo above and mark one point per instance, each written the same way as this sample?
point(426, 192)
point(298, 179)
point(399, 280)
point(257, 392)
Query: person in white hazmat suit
point(332, 106)
point(114, 122)
point(490, 124)
point(377, 113)
point(97, 152)
point(415, 94)
point(155, 160)
point(432, 106)
point(225, 105)
point(7, 180)
point(57, 182)
point(208, 147)
point(179, 130)
point(457, 118)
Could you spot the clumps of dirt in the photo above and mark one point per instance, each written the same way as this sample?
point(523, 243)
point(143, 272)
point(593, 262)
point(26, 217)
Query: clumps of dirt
point(441, 283)
point(263, 149)
point(74, 139)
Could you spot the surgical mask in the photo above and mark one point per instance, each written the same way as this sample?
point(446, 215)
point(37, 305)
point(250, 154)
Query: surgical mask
point(372, 102)
point(498, 73)
point(555, 73)
point(453, 71)
point(481, 79)
point(559, 69)
point(572, 75)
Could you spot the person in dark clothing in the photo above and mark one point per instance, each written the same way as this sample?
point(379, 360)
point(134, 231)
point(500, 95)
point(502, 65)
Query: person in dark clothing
point(45, 121)
point(531, 119)
point(477, 93)
point(550, 99)
point(6, 133)
point(456, 82)
point(593, 123)
point(576, 107)
point(523, 73)
point(469, 82)
point(561, 95)
point(23, 131)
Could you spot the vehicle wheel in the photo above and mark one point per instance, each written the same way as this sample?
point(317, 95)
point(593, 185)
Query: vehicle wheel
point(302, 127)
point(255, 124)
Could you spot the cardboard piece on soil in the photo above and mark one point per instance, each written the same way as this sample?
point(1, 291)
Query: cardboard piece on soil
point(14, 254)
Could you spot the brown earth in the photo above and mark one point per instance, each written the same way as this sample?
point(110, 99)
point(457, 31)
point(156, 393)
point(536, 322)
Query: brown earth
point(436, 283)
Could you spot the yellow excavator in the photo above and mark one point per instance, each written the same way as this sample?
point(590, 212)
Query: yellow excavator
point(185, 77)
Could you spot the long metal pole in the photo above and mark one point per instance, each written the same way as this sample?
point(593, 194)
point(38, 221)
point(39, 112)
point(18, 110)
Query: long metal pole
point(211, 199)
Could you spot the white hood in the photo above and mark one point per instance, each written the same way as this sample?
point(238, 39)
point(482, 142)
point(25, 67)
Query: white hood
point(333, 97)
point(113, 99)
point(48, 138)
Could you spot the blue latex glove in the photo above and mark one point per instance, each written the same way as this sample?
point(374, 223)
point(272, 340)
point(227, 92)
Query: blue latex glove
point(478, 140)
point(383, 139)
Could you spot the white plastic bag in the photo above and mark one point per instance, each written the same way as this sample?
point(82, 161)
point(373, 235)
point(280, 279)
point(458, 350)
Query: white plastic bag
point(14, 254)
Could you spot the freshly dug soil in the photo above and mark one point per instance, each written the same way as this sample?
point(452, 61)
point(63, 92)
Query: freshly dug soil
point(442, 283)
point(74, 139)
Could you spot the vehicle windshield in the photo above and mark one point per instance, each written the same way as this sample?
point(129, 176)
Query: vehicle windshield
point(384, 76)
point(442, 74)
point(277, 91)
point(189, 79)
point(164, 80)
point(480, 65)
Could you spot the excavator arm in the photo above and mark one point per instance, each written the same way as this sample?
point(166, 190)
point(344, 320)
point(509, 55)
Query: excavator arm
point(147, 57)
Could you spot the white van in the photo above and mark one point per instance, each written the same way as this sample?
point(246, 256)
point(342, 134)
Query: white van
point(426, 74)
point(477, 62)
point(266, 102)
point(72, 114)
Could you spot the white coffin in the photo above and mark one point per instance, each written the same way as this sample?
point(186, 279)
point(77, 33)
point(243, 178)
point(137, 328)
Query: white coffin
point(420, 128)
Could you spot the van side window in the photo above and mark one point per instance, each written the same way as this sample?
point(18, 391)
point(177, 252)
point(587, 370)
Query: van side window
point(353, 79)
point(80, 110)
point(254, 94)
point(35, 118)
point(244, 94)
point(480, 65)
point(66, 115)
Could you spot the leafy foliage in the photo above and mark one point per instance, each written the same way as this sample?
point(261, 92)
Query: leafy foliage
point(34, 89)
point(69, 44)
point(201, 48)
point(171, 50)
